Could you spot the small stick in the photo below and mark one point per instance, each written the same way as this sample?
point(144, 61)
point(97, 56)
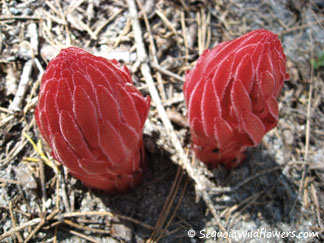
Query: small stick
point(317, 205)
point(105, 214)
point(167, 22)
point(2, 180)
point(307, 132)
point(17, 210)
point(55, 234)
point(57, 190)
point(184, 161)
point(41, 223)
point(43, 186)
point(64, 195)
point(5, 110)
point(22, 87)
point(33, 35)
point(199, 34)
point(80, 235)
point(300, 27)
point(166, 207)
point(184, 34)
point(153, 51)
point(53, 8)
point(103, 24)
point(239, 185)
point(27, 70)
point(20, 227)
point(20, 239)
point(167, 72)
point(13, 152)
point(3, 17)
point(176, 208)
point(85, 228)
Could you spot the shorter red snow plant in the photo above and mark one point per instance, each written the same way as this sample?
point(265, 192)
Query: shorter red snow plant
point(92, 117)
point(231, 96)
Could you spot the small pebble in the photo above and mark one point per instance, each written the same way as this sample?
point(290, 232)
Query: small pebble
point(288, 137)
point(121, 231)
point(48, 203)
point(23, 208)
point(27, 11)
point(14, 11)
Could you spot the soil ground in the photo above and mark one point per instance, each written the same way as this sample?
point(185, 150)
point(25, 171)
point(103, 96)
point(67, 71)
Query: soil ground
point(280, 186)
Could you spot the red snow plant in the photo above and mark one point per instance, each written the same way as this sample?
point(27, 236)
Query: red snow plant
point(231, 96)
point(92, 117)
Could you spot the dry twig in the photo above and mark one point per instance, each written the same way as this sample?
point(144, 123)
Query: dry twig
point(22, 87)
point(166, 207)
point(184, 161)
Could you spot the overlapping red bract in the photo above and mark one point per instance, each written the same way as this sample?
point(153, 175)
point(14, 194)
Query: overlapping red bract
point(231, 96)
point(92, 117)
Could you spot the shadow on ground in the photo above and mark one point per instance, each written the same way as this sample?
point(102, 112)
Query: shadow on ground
point(255, 194)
